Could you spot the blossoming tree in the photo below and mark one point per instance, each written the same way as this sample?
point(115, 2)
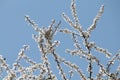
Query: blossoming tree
point(47, 46)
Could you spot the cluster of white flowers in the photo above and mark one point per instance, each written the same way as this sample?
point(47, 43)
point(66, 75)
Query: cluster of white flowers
point(90, 45)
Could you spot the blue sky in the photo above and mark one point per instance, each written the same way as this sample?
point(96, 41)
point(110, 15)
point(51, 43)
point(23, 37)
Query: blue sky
point(14, 31)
